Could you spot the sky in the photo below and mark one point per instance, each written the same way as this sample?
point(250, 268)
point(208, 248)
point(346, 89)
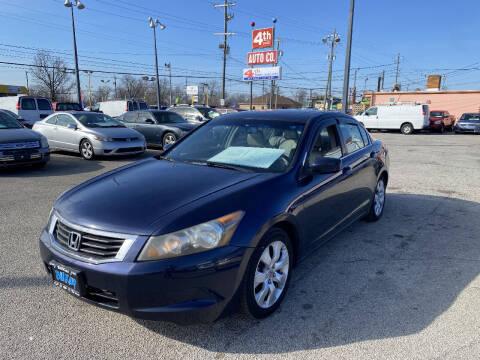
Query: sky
point(431, 36)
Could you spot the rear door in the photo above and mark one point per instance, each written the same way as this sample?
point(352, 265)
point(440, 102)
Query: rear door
point(28, 109)
point(44, 107)
point(146, 125)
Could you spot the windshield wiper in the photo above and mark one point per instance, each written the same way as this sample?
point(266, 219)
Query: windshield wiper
point(226, 166)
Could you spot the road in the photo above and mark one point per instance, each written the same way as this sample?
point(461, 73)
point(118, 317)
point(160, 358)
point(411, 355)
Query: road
point(406, 287)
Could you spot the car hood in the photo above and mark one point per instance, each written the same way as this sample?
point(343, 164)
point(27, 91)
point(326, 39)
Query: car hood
point(131, 199)
point(113, 132)
point(185, 126)
point(14, 135)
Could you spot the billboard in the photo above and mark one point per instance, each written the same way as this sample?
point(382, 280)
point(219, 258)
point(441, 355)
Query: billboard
point(265, 73)
point(262, 38)
point(262, 57)
point(192, 90)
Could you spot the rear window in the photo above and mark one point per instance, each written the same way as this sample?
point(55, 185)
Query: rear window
point(68, 107)
point(135, 106)
point(28, 104)
point(436, 114)
point(352, 139)
point(142, 106)
point(425, 109)
point(44, 104)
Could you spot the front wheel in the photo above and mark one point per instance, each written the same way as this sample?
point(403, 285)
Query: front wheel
point(169, 138)
point(378, 203)
point(407, 129)
point(86, 150)
point(268, 274)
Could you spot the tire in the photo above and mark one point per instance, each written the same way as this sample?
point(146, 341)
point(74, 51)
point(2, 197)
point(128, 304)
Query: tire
point(378, 201)
point(169, 138)
point(407, 129)
point(266, 281)
point(86, 150)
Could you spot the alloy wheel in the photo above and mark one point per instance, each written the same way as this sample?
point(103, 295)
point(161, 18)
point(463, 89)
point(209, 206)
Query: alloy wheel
point(271, 274)
point(379, 199)
point(169, 139)
point(87, 150)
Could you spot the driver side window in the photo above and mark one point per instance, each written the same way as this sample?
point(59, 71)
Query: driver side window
point(371, 111)
point(327, 144)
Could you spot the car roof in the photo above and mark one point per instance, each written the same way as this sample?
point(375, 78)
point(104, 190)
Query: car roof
point(302, 116)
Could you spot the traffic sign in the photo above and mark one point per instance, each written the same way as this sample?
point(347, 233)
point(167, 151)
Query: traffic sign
point(262, 38)
point(192, 90)
point(264, 73)
point(262, 57)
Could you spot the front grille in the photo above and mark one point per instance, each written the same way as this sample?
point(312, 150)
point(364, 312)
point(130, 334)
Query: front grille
point(126, 139)
point(91, 245)
point(20, 145)
point(129, 149)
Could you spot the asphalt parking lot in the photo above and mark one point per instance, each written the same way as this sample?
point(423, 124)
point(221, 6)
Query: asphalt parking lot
point(406, 287)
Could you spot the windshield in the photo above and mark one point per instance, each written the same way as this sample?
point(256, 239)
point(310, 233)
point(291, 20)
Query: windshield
point(97, 120)
point(436, 114)
point(470, 117)
point(208, 113)
point(167, 117)
point(68, 107)
point(8, 122)
point(258, 145)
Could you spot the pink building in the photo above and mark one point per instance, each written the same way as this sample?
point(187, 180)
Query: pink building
point(455, 102)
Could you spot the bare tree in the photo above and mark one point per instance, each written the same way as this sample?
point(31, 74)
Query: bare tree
point(50, 80)
point(300, 96)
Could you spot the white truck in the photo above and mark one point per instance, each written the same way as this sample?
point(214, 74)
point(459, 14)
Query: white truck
point(29, 108)
point(406, 118)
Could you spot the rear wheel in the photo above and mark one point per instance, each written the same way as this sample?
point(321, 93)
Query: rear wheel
point(86, 150)
point(169, 138)
point(378, 203)
point(407, 129)
point(267, 275)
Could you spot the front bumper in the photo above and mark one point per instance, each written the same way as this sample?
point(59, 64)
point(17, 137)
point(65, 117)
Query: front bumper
point(190, 289)
point(24, 157)
point(469, 129)
point(115, 148)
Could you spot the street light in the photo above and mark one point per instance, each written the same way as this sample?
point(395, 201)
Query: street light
point(79, 6)
point(153, 25)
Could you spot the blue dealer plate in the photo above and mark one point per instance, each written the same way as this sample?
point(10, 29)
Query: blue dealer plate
point(66, 278)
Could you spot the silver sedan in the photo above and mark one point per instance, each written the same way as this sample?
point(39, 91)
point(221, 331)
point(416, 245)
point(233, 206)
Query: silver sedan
point(90, 134)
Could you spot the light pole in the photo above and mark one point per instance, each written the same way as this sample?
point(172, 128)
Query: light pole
point(346, 75)
point(205, 98)
point(79, 6)
point(169, 66)
point(105, 82)
point(89, 72)
point(333, 38)
point(153, 25)
point(147, 79)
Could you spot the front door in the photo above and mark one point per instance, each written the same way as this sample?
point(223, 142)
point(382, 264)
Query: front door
point(66, 137)
point(370, 118)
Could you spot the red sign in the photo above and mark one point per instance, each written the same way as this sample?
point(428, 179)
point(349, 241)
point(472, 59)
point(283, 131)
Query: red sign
point(262, 38)
point(262, 57)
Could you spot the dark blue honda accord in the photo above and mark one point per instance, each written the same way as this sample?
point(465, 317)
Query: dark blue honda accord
point(217, 221)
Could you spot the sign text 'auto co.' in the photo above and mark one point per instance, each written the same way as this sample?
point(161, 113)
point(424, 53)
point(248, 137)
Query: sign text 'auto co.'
point(262, 57)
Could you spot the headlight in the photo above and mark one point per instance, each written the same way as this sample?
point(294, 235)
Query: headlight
point(102, 138)
point(44, 142)
point(209, 235)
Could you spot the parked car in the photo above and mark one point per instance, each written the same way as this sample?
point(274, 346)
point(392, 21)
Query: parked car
point(115, 108)
point(223, 111)
point(90, 134)
point(468, 123)
point(16, 117)
point(406, 118)
point(29, 108)
point(222, 215)
point(19, 145)
point(158, 126)
point(195, 113)
point(441, 120)
point(67, 107)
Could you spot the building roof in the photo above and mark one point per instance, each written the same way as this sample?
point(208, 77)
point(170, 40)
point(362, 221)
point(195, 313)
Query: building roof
point(369, 93)
point(265, 99)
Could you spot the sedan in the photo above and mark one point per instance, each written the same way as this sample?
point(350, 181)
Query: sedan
point(468, 123)
point(159, 127)
point(217, 220)
point(19, 145)
point(90, 134)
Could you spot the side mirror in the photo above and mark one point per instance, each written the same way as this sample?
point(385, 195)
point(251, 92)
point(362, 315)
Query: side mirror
point(167, 146)
point(323, 165)
point(72, 126)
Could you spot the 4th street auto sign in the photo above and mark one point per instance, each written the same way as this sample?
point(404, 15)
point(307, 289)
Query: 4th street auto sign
point(262, 57)
point(265, 73)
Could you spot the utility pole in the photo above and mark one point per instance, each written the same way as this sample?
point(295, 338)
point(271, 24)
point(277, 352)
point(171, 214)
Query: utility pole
point(310, 103)
point(153, 25)
point(79, 6)
point(396, 71)
point(205, 94)
point(89, 72)
point(346, 75)
point(169, 66)
point(26, 75)
point(227, 18)
point(383, 78)
point(114, 85)
point(354, 97)
point(333, 39)
point(272, 92)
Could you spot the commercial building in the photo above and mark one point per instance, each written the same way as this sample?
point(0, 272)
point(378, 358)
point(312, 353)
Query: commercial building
point(12, 90)
point(263, 102)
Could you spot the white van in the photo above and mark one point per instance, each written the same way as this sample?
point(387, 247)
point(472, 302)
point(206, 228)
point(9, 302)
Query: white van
point(29, 108)
point(116, 108)
point(406, 118)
